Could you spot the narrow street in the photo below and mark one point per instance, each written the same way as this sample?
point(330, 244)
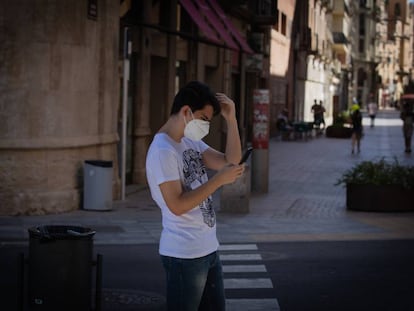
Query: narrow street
point(298, 248)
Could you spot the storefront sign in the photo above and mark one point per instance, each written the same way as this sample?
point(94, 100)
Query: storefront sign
point(261, 101)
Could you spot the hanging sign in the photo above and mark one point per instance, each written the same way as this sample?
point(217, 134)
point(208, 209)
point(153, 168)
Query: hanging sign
point(261, 101)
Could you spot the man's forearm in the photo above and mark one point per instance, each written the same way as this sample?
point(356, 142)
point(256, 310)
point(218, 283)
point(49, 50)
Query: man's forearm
point(180, 202)
point(233, 146)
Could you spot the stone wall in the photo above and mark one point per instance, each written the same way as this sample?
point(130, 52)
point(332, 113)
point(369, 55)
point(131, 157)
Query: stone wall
point(59, 97)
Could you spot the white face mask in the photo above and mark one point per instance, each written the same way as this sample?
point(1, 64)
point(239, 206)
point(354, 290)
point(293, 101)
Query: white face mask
point(196, 129)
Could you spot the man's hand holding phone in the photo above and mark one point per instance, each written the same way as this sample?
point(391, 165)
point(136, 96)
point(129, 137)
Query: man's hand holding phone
point(246, 155)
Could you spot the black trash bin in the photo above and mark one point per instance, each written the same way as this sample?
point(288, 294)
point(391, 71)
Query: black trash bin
point(60, 268)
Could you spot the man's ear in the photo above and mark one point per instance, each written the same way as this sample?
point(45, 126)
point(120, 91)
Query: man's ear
point(185, 110)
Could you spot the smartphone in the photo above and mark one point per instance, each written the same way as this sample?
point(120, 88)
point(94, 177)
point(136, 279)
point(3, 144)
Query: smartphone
point(246, 155)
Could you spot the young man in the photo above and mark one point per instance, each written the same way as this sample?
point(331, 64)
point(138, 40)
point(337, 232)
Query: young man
point(176, 171)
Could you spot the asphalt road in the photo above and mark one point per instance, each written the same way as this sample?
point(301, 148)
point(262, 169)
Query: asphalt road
point(346, 275)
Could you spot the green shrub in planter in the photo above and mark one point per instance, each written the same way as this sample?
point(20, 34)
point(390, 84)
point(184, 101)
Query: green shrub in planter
point(341, 127)
point(379, 186)
point(379, 173)
point(342, 118)
point(334, 131)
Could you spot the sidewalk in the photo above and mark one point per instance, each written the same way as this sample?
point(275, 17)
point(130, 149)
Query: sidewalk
point(302, 204)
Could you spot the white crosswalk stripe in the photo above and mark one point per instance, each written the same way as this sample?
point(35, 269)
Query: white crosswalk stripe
point(247, 283)
point(252, 305)
point(247, 258)
point(235, 257)
point(238, 247)
point(243, 268)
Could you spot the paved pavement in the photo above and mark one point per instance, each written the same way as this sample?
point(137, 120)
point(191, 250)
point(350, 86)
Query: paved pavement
point(302, 204)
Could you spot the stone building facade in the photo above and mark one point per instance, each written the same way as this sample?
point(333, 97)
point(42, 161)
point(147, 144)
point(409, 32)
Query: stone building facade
point(69, 68)
point(58, 100)
point(61, 87)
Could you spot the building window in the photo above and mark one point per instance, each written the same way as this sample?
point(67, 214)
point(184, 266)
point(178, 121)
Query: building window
point(284, 23)
point(184, 22)
point(264, 7)
point(397, 10)
point(362, 25)
point(361, 47)
point(276, 24)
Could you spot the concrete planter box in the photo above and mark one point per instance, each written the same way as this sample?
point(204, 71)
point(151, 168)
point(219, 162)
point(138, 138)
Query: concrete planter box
point(235, 197)
point(338, 132)
point(379, 198)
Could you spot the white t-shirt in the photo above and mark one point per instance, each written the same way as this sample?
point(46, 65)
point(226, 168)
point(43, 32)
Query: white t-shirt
point(192, 234)
point(372, 108)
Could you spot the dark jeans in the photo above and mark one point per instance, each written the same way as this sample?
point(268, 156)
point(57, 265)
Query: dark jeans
point(194, 284)
point(318, 121)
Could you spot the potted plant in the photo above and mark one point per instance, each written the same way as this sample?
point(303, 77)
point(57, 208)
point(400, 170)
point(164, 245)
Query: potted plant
point(341, 127)
point(379, 186)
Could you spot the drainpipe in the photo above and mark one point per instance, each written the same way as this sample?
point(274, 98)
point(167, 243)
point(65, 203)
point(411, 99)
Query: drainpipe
point(125, 80)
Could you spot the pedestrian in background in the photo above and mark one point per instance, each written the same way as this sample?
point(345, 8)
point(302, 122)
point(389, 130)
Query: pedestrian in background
point(176, 167)
point(372, 109)
point(357, 129)
point(322, 111)
point(318, 111)
point(315, 109)
point(407, 116)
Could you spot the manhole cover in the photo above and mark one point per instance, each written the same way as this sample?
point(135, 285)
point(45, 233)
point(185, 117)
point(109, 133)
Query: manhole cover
point(123, 299)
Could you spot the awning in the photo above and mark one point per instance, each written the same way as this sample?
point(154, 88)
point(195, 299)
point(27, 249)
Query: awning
point(217, 24)
point(199, 21)
point(233, 30)
point(214, 24)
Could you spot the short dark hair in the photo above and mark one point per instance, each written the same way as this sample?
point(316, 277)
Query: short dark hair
point(196, 95)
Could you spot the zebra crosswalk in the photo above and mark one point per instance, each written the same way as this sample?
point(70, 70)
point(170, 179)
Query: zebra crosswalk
point(244, 271)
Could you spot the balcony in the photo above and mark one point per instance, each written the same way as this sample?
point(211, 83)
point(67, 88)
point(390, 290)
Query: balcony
point(304, 39)
point(310, 42)
point(340, 42)
point(328, 4)
point(259, 12)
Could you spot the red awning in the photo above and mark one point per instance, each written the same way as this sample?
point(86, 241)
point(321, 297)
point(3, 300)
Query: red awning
point(230, 27)
point(215, 25)
point(199, 21)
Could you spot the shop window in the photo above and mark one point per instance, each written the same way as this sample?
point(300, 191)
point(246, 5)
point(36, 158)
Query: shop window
point(180, 75)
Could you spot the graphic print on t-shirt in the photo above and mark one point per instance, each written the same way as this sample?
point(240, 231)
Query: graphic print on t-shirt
point(194, 176)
